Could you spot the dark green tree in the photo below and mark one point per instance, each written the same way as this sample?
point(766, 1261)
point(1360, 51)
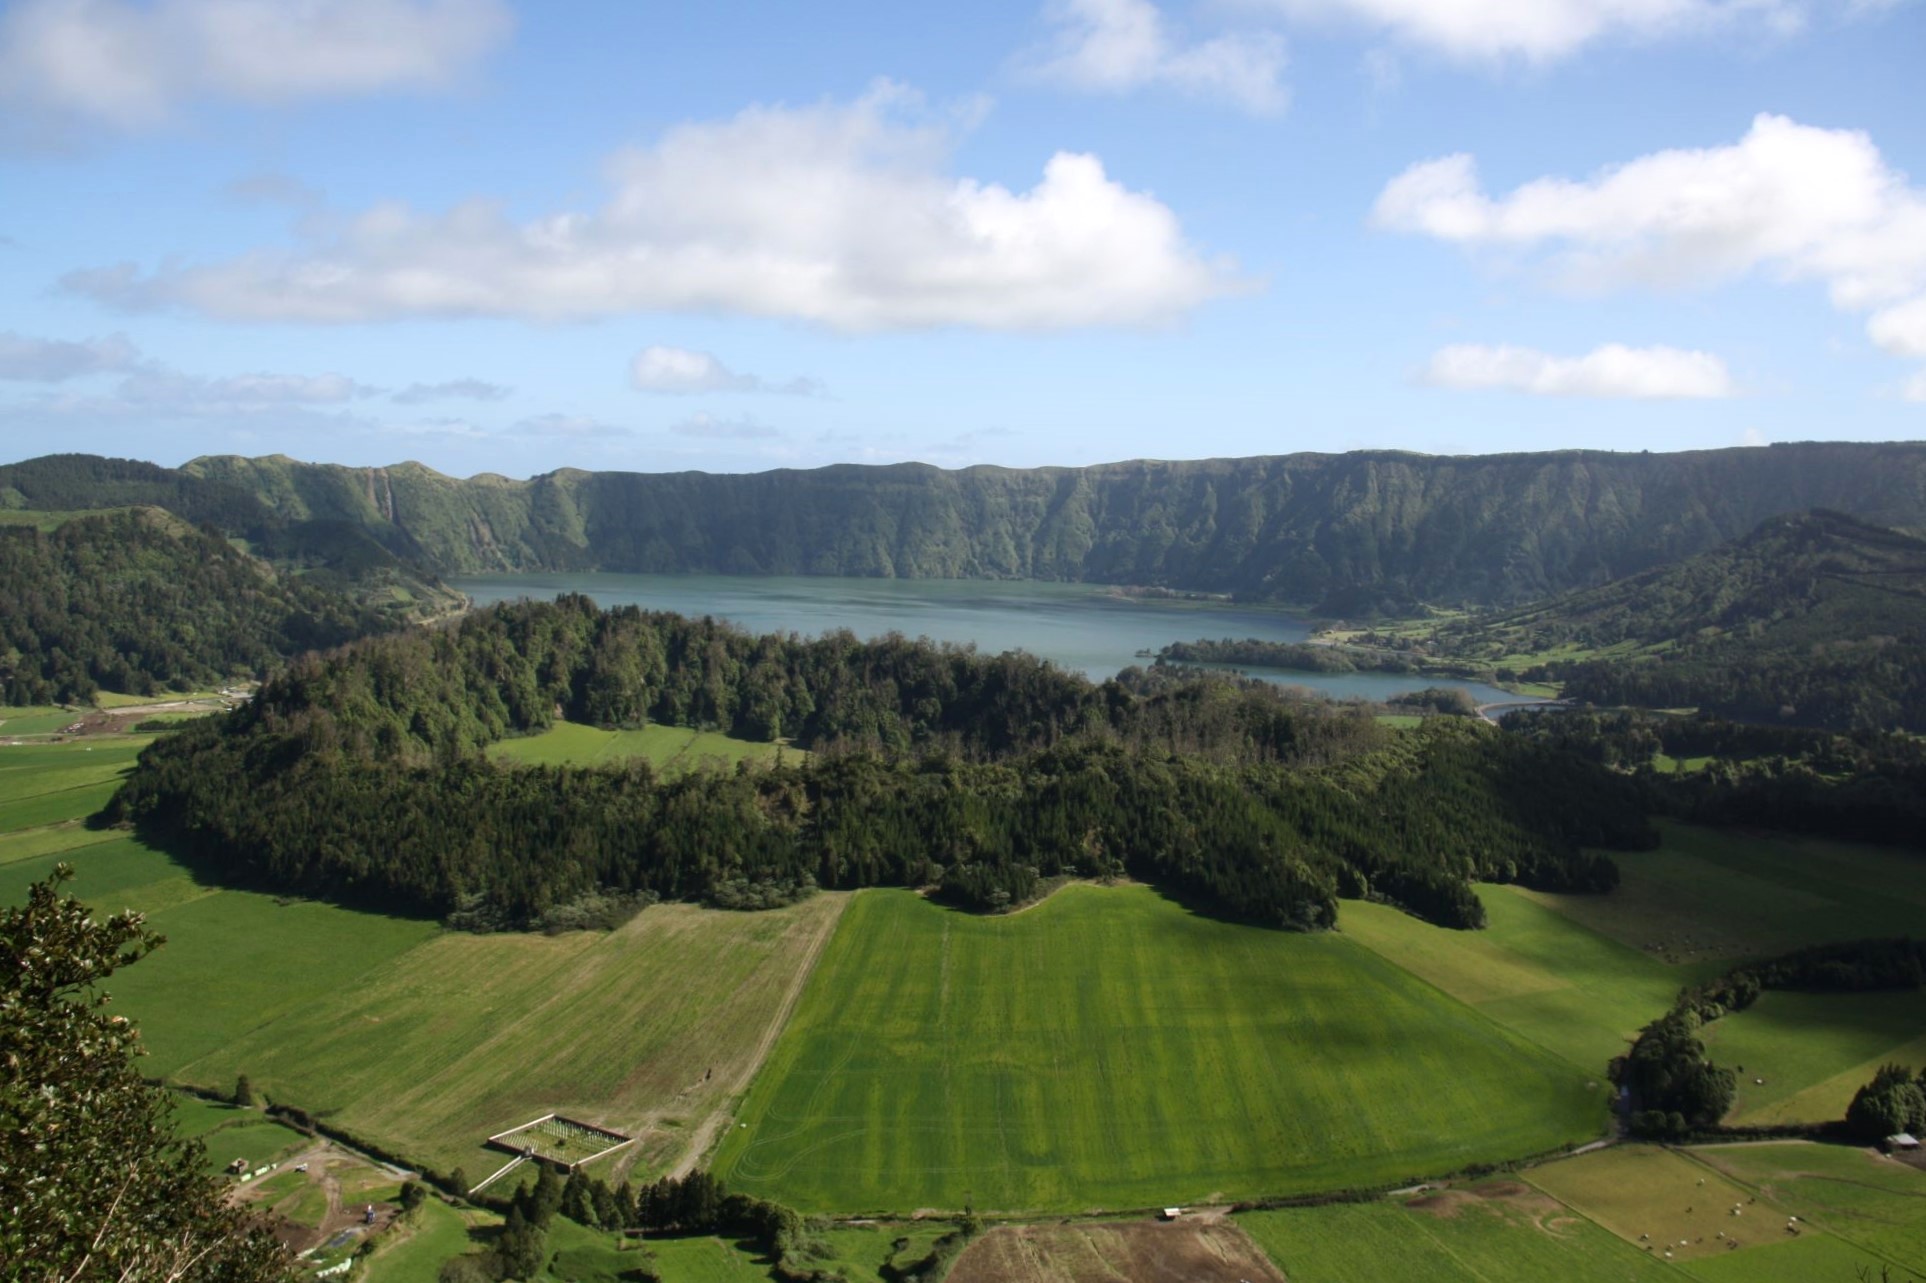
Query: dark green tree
point(93, 1182)
point(244, 1092)
point(1891, 1103)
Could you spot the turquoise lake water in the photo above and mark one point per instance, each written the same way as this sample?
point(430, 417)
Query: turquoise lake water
point(1085, 627)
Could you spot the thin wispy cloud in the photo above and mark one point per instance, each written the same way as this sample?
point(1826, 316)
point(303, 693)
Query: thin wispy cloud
point(34, 360)
point(714, 428)
point(452, 390)
point(679, 371)
point(1545, 31)
point(1120, 46)
point(568, 425)
point(1611, 371)
point(128, 66)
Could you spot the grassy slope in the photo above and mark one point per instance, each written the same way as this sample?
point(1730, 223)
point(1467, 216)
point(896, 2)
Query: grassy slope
point(468, 1035)
point(1108, 1048)
point(426, 1041)
point(572, 744)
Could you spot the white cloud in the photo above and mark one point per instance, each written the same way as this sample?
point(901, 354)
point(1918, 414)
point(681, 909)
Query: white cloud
point(837, 214)
point(1543, 31)
point(1610, 371)
point(128, 66)
point(1915, 389)
point(1115, 46)
point(31, 360)
point(741, 428)
point(678, 370)
point(176, 393)
point(453, 389)
point(1791, 201)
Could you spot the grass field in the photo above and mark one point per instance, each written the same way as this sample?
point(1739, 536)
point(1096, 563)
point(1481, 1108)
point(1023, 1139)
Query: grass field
point(414, 1252)
point(1814, 1050)
point(1872, 1206)
point(1575, 993)
point(670, 747)
point(1716, 895)
point(463, 1036)
point(1493, 1232)
point(1110, 1049)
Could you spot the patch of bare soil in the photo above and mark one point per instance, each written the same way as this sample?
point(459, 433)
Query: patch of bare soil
point(1184, 1251)
point(1513, 1200)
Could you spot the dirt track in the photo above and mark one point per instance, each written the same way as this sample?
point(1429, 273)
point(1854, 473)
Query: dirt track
point(1196, 1249)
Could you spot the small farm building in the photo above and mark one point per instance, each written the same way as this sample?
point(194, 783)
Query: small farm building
point(1901, 1140)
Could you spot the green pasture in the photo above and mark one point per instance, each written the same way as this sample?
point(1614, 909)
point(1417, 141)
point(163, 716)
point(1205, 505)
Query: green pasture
point(1814, 1050)
point(1108, 1048)
point(413, 1251)
point(1872, 1207)
point(259, 1140)
point(668, 747)
point(705, 1260)
point(1494, 1232)
point(1567, 989)
point(433, 1048)
point(40, 719)
point(1724, 895)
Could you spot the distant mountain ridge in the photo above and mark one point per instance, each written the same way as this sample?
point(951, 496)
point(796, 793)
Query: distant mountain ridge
point(1345, 532)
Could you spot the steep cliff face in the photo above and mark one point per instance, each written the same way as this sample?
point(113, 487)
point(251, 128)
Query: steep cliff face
point(1301, 528)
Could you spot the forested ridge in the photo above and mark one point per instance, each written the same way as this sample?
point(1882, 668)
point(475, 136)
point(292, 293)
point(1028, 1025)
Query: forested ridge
point(327, 549)
point(140, 602)
point(357, 775)
point(1814, 618)
point(1348, 533)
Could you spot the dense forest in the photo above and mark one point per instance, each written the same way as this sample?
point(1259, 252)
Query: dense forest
point(1867, 786)
point(358, 776)
point(140, 602)
point(1815, 619)
point(1300, 657)
point(1349, 533)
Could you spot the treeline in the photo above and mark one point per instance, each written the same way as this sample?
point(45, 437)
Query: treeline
point(138, 602)
point(1676, 1090)
point(1303, 657)
point(357, 776)
point(1866, 786)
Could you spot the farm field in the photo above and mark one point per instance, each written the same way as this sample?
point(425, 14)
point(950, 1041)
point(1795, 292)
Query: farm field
point(1710, 895)
point(649, 1027)
point(1871, 1205)
point(668, 747)
point(427, 1041)
point(1107, 1048)
point(414, 1251)
point(1559, 985)
point(1814, 1050)
point(1491, 1232)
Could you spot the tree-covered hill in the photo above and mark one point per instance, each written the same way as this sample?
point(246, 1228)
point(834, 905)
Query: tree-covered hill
point(1814, 617)
point(358, 775)
point(1348, 532)
point(138, 601)
point(332, 549)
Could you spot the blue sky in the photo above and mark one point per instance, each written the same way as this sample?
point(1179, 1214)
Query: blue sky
point(511, 238)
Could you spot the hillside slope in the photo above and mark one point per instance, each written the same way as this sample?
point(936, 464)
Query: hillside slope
point(139, 601)
point(1813, 617)
point(1345, 532)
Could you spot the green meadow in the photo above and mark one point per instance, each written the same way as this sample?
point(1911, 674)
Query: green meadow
point(1108, 1048)
point(424, 1040)
point(1491, 1232)
point(668, 747)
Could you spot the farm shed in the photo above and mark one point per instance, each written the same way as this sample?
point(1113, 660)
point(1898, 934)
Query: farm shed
point(1901, 1140)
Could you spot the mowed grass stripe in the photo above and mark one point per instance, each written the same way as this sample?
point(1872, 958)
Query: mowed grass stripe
point(1111, 1049)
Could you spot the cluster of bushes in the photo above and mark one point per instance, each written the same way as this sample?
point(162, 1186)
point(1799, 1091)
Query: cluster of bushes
point(760, 893)
point(1893, 1102)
